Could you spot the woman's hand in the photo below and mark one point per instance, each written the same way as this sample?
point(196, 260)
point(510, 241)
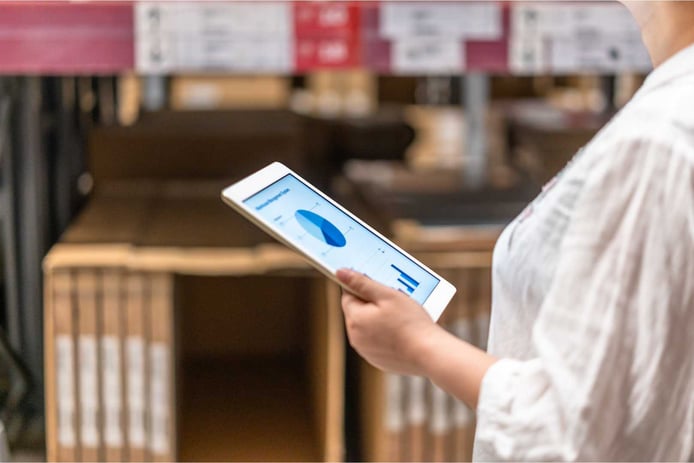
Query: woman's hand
point(385, 326)
point(394, 333)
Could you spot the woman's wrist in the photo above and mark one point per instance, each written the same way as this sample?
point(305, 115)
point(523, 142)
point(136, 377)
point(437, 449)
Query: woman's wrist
point(450, 363)
point(423, 349)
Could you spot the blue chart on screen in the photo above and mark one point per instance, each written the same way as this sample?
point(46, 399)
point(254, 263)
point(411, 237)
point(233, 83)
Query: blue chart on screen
point(320, 228)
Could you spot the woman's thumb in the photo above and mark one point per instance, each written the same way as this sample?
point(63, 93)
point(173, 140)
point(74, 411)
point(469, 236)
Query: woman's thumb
point(361, 285)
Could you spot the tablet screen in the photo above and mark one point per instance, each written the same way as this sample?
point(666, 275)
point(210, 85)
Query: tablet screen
point(331, 237)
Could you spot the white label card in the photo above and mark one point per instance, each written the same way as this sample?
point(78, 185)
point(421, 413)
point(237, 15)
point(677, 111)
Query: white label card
point(451, 20)
point(111, 380)
point(65, 390)
point(417, 410)
point(200, 36)
point(556, 37)
point(394, 419)
point(427, 56)
point(160, 382)
point(440, 422)
point(462, 414)
point(89, 391)
point(136, 391)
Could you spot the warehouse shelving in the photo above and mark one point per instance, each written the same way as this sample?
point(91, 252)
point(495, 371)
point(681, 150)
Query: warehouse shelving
point(300, 36)
point(77, 40)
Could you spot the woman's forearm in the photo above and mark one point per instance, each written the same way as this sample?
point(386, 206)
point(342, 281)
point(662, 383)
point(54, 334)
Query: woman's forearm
point(454, 365)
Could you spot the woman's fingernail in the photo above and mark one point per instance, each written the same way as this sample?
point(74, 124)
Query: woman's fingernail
point(344, 274)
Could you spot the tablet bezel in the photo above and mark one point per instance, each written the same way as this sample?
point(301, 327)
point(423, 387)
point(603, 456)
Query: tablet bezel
point(236, 194)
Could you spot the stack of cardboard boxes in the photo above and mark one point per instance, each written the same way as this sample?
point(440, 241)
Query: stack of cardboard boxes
point(174, 329)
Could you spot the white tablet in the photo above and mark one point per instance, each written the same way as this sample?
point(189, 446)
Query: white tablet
point(292, 210)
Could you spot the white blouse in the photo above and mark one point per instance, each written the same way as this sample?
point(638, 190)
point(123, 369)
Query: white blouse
point(593, 296)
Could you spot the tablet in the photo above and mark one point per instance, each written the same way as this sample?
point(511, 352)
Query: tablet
point(296, 213)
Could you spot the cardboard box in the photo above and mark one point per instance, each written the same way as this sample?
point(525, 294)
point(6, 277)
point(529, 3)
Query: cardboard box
point(196, 145)
point(260, 366)
point(227, 344)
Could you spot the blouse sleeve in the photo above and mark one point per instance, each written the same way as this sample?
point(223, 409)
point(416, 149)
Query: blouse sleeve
point(613, 375)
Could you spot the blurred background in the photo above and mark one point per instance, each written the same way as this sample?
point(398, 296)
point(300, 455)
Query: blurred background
point(143, 320)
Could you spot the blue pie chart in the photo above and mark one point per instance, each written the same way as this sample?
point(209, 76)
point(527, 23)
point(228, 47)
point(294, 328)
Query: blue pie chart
point(320, 228)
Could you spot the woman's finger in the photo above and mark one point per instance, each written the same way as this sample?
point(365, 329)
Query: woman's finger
point(363, 286)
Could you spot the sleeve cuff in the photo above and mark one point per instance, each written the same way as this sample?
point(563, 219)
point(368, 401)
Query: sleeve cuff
point(493, 408)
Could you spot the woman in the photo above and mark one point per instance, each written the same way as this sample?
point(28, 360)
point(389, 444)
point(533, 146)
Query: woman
point(591, 349)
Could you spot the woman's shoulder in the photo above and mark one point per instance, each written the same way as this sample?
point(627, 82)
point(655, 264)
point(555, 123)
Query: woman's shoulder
point(662, 116)
point(656, 128)
point(642, 160)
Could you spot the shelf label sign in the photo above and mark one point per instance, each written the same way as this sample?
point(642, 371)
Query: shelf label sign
point(450, 20)
point(561, 38)
point(214, 36)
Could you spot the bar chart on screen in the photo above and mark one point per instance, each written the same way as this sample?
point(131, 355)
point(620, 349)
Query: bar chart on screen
point(406, 281)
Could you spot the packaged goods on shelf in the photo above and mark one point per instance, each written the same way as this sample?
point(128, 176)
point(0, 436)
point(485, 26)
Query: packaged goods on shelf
point(351, 93)
point(544, 137)
point(229, 92)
